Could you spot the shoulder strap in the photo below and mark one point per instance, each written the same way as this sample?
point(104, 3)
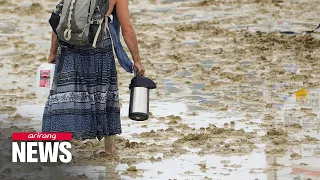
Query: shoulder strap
point(105, 19)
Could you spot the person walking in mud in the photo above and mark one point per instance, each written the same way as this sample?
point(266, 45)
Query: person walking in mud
point(84, 99)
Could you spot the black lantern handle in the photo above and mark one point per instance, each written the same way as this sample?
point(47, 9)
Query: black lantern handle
point(137, 71)
point(137, 76)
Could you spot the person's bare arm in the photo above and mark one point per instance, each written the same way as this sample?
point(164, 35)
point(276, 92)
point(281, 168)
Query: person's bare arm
point(129, 35)
point(53, 49)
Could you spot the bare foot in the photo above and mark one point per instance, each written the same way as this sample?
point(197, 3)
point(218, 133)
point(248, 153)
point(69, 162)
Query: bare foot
point(110, 145)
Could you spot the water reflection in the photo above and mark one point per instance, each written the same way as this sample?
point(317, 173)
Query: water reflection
point(298, 111)
point(108, 171)
point(286, 168)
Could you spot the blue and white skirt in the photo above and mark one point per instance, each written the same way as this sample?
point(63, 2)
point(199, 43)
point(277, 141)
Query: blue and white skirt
point(86, 101)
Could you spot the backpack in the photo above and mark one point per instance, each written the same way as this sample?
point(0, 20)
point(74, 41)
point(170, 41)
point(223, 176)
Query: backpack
point(81, 22)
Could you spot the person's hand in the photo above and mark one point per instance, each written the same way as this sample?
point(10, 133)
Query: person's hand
point(52, 58)
point(140, 67)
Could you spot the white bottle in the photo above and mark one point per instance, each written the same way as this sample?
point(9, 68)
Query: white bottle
point(44, 79)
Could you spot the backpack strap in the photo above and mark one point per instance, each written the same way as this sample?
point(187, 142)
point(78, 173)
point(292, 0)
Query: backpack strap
point(67, 32)
point(98, 33)
point(106, 19)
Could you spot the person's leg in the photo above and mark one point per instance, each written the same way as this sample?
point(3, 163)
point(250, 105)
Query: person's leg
point(110, 145)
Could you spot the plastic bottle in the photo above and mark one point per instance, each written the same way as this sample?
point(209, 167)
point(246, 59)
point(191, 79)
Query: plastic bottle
point(44, 79)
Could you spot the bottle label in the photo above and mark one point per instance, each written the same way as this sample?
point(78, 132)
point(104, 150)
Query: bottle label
point(45, 78)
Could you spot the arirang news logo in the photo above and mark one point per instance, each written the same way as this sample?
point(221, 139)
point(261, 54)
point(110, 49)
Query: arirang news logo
point(41, 147)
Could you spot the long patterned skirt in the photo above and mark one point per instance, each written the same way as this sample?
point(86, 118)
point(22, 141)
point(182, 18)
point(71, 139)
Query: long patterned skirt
point(86, 101)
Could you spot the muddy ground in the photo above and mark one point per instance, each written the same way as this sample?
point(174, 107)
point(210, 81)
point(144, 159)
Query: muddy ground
point(225, 106)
